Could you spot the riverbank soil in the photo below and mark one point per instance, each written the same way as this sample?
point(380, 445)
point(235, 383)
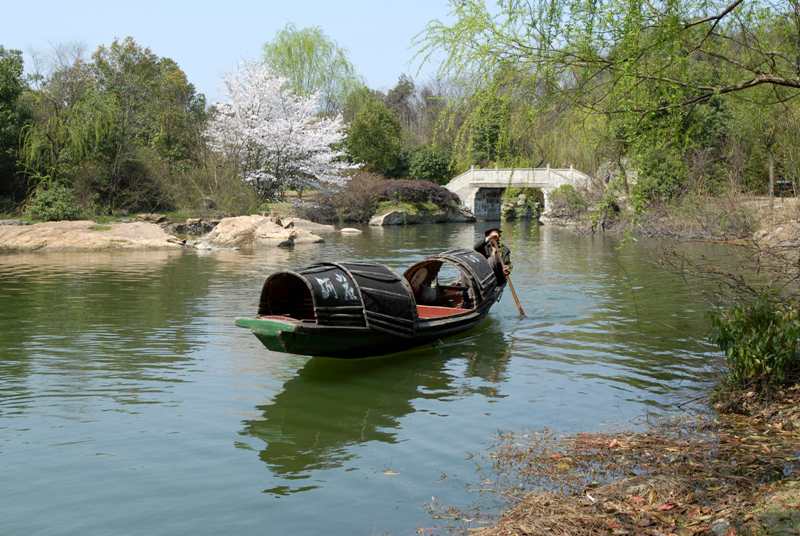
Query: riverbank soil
point(738, 473)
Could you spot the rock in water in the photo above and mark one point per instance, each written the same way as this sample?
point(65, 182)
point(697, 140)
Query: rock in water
point(307, 225)
point(402, 217)
point(350, 230)
point(85, 236)
point(254, 231)
point(152, 218)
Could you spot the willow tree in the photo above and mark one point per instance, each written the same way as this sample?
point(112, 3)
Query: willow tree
point(663, 74)
point(599, 47)
point(313, 63)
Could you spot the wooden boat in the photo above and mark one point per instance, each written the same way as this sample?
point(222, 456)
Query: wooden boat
point(358, 309)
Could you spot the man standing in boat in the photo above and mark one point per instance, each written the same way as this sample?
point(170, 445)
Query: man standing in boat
point(487, 247)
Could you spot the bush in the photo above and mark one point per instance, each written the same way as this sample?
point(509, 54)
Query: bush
point(761, 341)
point(52, 202)
point(212, 186)
point(566, 201)
point(522, 203)
point(358, 200)
point(431, 164)
point(7, 205)
point(412, 191)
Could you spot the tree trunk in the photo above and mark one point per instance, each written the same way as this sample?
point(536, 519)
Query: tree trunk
point(771, 160)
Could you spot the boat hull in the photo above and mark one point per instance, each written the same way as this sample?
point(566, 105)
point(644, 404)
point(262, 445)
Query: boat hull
point(308, 338)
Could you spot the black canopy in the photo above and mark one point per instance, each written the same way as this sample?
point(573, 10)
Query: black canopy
point(357, 294)
point(473, 264)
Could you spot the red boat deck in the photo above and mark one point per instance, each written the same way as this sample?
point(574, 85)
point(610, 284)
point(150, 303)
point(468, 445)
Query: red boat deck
point(428, 312)
point(424, 312)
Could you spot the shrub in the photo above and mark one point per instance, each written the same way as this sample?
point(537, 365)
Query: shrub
point(359, 199)
point(761, 342)
point(566, 201)
point(431, 164)
point(7, 205)
point(212, 186)
point(52, 202)
point(412, 191)
point(522, 203)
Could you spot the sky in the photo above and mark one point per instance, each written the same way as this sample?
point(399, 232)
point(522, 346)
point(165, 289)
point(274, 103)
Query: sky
point(209, 38)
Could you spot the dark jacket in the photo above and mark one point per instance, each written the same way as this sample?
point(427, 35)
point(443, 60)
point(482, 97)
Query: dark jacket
point(482, 247)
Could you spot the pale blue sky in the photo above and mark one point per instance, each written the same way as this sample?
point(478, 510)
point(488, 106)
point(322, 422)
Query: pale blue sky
point(208, 38)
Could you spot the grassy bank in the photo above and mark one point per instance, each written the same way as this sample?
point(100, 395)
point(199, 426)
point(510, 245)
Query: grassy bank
point(733, 217)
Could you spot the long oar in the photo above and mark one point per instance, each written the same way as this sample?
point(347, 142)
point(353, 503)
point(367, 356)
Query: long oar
point(510, 283)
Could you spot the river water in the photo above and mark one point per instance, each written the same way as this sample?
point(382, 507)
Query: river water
point(130, 404)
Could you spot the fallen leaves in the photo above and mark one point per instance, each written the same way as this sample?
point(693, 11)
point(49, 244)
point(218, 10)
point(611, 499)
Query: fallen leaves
point(682, 479)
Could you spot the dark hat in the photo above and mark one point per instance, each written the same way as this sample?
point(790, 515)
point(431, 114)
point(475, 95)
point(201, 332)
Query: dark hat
point(488, 231)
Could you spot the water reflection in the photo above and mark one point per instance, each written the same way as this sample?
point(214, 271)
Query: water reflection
point(332, 405)
point(126, 369)
point(81, 323)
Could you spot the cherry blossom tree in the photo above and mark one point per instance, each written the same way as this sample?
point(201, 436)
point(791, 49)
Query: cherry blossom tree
point(277, 137)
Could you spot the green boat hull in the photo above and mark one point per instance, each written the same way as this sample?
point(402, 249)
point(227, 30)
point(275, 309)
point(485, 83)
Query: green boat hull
point(348, 342)
point(294, 338)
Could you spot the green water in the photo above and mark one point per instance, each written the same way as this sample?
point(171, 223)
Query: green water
point(130, 404)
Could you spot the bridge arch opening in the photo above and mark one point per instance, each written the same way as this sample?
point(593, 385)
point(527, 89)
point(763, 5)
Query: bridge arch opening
point(513, 203)
point(488, 203)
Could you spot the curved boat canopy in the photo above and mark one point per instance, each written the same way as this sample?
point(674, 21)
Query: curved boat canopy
point(365, 294)
point(477, 274)
point(356, 294)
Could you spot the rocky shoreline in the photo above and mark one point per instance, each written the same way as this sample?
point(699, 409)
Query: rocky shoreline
point(155, 232)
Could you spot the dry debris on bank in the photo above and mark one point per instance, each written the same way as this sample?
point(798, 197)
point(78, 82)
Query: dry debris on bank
point(737, 474)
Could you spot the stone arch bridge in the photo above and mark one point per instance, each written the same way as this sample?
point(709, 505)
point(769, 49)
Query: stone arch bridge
point(481, 190)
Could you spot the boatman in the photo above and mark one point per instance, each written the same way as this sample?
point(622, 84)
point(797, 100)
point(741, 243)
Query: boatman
point(486, 247)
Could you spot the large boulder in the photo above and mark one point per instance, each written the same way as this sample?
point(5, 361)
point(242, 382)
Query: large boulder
point(393, 217)
point(783, 235)
point(460, 215)
point(85, 236)
point(307, 225)
point(152, 218)
point(191, 227)
point(781, 243)
point(254, 231)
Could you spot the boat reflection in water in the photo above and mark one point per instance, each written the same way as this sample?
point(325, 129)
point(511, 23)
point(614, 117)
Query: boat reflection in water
point(331, 406)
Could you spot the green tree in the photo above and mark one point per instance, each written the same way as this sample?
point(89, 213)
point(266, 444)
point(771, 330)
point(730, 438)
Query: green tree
point(313, 63)
point(158, 107)
point(114, 129)
point(72, 122)
point(12, 117)
point(400, 98)
point(375, 139)
point(662, 76)
point(357, 100)
point(741, 45)
point(430, 163)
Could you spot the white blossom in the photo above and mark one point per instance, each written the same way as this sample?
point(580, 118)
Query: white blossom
point(277, 137)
